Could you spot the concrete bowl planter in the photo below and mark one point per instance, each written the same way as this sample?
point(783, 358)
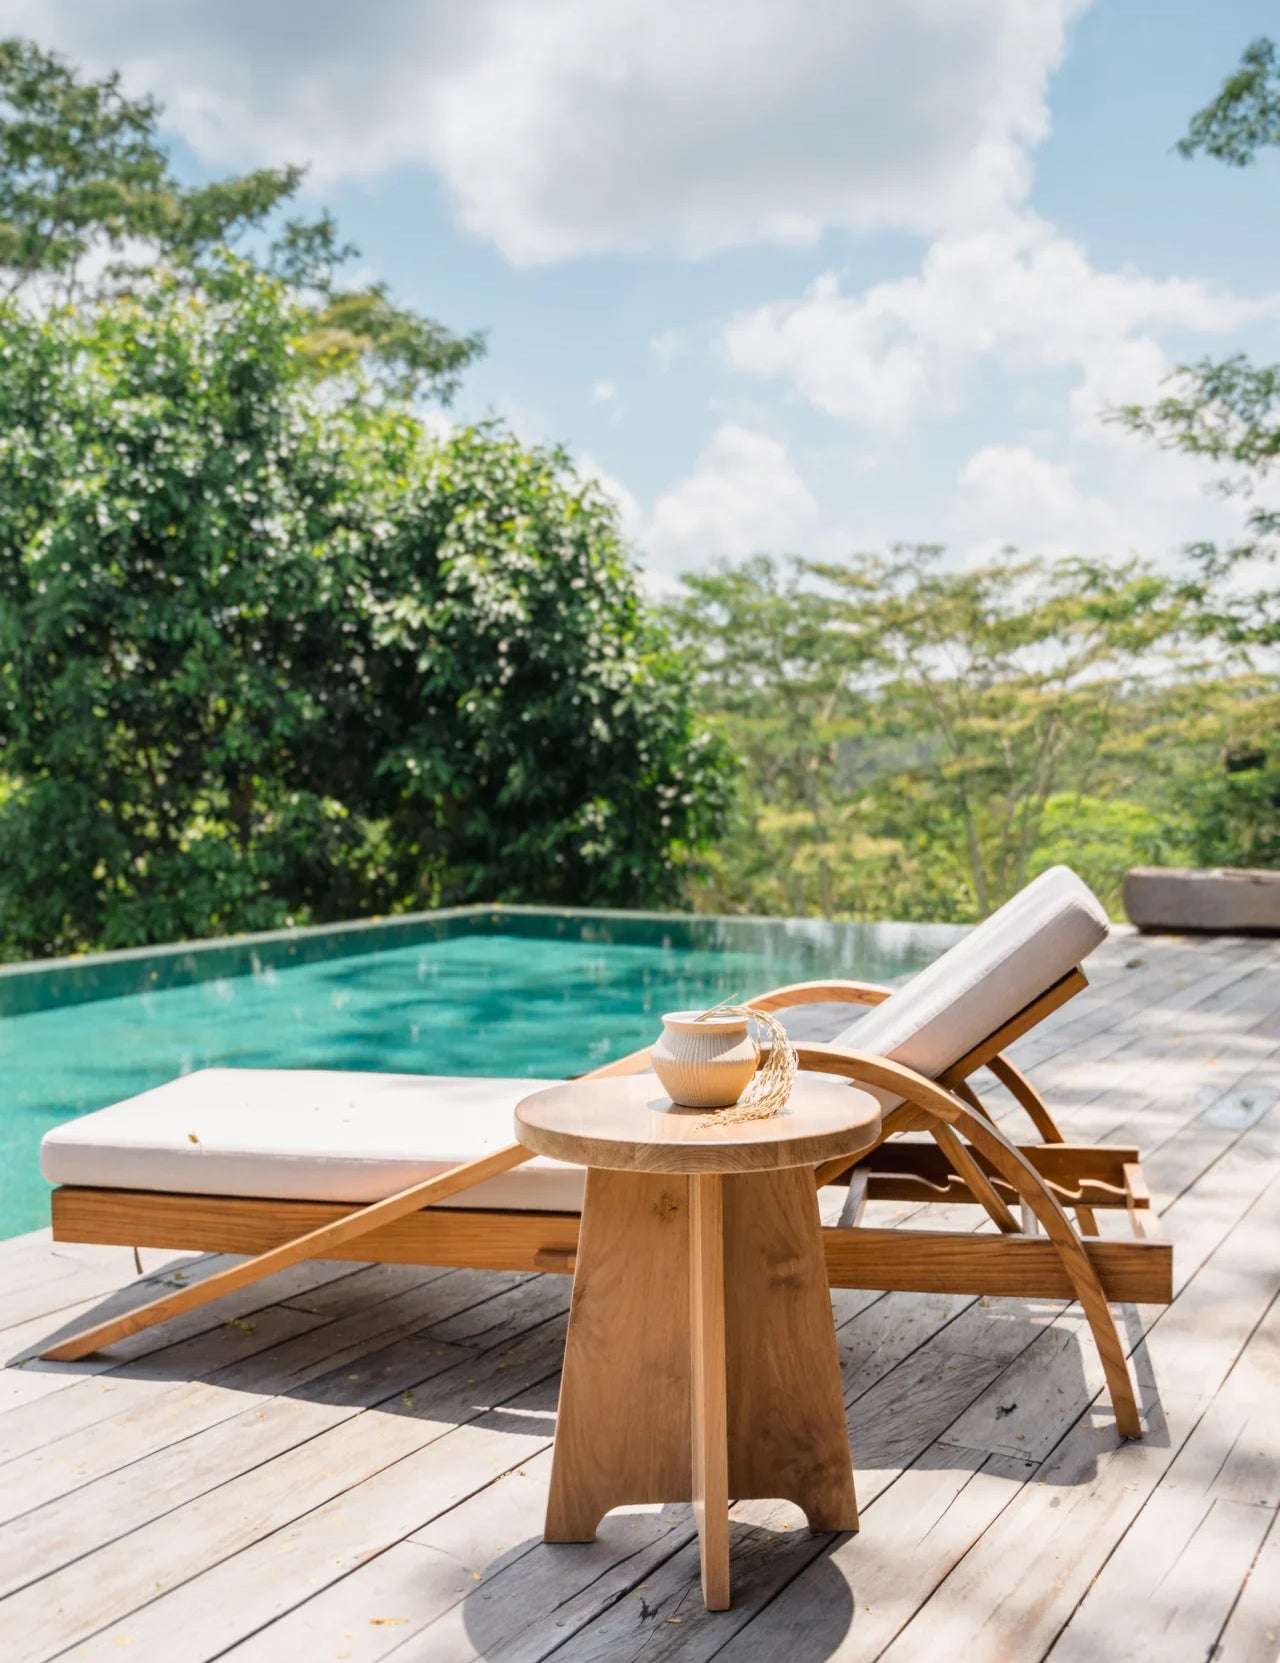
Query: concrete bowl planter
point(1220, 901)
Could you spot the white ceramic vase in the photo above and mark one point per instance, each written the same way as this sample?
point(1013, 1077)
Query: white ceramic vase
point(704, 1064)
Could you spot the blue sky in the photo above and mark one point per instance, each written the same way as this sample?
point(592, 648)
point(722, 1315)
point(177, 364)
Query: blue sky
point(797, 274)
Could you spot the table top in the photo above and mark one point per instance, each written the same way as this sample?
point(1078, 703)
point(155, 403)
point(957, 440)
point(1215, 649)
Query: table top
point(627, 1122)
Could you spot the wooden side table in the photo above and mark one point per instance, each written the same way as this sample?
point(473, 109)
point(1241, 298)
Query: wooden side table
point(701, 1358)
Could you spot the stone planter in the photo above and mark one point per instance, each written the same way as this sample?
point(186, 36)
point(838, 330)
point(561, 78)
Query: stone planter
point(1219, 901)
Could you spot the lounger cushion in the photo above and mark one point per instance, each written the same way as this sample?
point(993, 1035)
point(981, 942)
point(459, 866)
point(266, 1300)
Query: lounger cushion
point(301, 1134)
point(990, 975)
point(332, 1136)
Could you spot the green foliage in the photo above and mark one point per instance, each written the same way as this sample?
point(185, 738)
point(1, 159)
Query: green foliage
point(1245, 116)
point(1236, 812)
point(83, 172)
point(1228, 410)
point(81, 167)
point(362, 330)
point(265, 656)
point(919, 742)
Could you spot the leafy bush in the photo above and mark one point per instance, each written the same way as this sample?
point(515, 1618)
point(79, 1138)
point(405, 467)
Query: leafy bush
point(1236, 812)
point(266, 656)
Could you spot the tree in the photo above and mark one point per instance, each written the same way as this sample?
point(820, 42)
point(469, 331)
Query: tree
point(762, 641)
point(1023, 679)
point(1245, 116)
point(919, 742)
point(83, 175)
point(1228, 411)
point(268, 657)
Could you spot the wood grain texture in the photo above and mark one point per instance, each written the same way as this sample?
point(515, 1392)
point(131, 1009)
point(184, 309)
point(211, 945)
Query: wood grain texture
point(1093, 1174)
point(476, 1239)
point(787, 1431)
point(933, 1261)
point(975, 1179)
point(821, 993)
point(989, 1141)
point(701, 1358)
point(622, 1430)
point(631, 1125)
point(1013, 1267)
point(353, 1545)
point(709, 1434)
point(325, 1238)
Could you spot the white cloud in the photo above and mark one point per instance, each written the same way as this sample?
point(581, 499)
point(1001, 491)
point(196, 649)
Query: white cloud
point(745, 494)
point(1009, 494)
point(667, 346)
point(630, 517)
point(605, 397)
point(1020, 293)
point(570, 127)
point(1150, 503)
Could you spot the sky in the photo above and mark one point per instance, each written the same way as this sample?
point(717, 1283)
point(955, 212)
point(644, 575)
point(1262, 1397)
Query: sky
point(805, 276)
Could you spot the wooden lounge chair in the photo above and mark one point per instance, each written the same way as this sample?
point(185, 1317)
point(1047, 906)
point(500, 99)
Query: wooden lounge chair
point(286, 1165)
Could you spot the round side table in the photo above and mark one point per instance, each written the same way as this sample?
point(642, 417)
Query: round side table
point(701, 1358)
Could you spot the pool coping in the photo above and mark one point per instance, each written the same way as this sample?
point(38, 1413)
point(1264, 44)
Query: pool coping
point(472, 909)
point(84, 978)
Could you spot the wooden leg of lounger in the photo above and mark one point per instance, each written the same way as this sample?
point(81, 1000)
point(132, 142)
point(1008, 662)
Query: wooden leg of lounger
point(1011, 1164)
point(1022, 1091)
point(939, 1104)
point(1026, 1094)
point(976, 1178)
point(349, 1228)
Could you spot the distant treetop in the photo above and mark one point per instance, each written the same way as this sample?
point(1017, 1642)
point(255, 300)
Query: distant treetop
point(84, 176)
point(1245, 116)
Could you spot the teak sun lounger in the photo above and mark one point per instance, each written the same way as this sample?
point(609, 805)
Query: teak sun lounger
point(290, 1165)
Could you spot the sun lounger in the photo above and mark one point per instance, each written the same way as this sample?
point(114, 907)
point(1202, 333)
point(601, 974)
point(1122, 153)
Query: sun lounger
point(286, 1165)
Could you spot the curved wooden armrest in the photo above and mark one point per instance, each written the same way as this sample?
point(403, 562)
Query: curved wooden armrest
point(864, 1068)
point(1024, 1093)
point(918, 1093)
point(820, 993)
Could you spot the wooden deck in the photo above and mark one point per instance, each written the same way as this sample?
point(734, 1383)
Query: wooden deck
point(352, 1464)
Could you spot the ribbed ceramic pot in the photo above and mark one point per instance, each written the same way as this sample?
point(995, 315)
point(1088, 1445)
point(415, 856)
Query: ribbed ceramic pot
point(704, 1064)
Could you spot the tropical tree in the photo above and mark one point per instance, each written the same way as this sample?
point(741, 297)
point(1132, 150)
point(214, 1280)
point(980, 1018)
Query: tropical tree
point(89, 203)
point(770, 672)
point(267, 656)
point(921, 740)
point(1228, 410)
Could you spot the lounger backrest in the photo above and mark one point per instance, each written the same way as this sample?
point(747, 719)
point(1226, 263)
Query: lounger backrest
point(982, 982)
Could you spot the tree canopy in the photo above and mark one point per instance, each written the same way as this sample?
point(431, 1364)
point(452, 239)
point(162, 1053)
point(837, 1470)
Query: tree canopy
point(1245, 116)
point(920, 739)
point(266, 656)
point(1228, 410)
point(84, 177)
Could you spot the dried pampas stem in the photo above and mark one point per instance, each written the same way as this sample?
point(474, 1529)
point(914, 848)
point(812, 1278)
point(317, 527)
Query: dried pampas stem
point(770, 1087)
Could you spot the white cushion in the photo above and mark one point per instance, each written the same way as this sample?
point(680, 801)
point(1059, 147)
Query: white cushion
point(300, 1134)
point(307, 1135)
point(982, 982)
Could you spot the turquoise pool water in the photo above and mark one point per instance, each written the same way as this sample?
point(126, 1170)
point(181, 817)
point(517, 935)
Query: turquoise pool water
point(472, 992)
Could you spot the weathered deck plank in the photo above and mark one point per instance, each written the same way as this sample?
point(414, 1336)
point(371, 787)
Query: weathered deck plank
point(351, 1462)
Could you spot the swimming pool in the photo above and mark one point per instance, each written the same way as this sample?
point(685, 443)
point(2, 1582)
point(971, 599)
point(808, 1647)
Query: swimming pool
point(476, 990)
